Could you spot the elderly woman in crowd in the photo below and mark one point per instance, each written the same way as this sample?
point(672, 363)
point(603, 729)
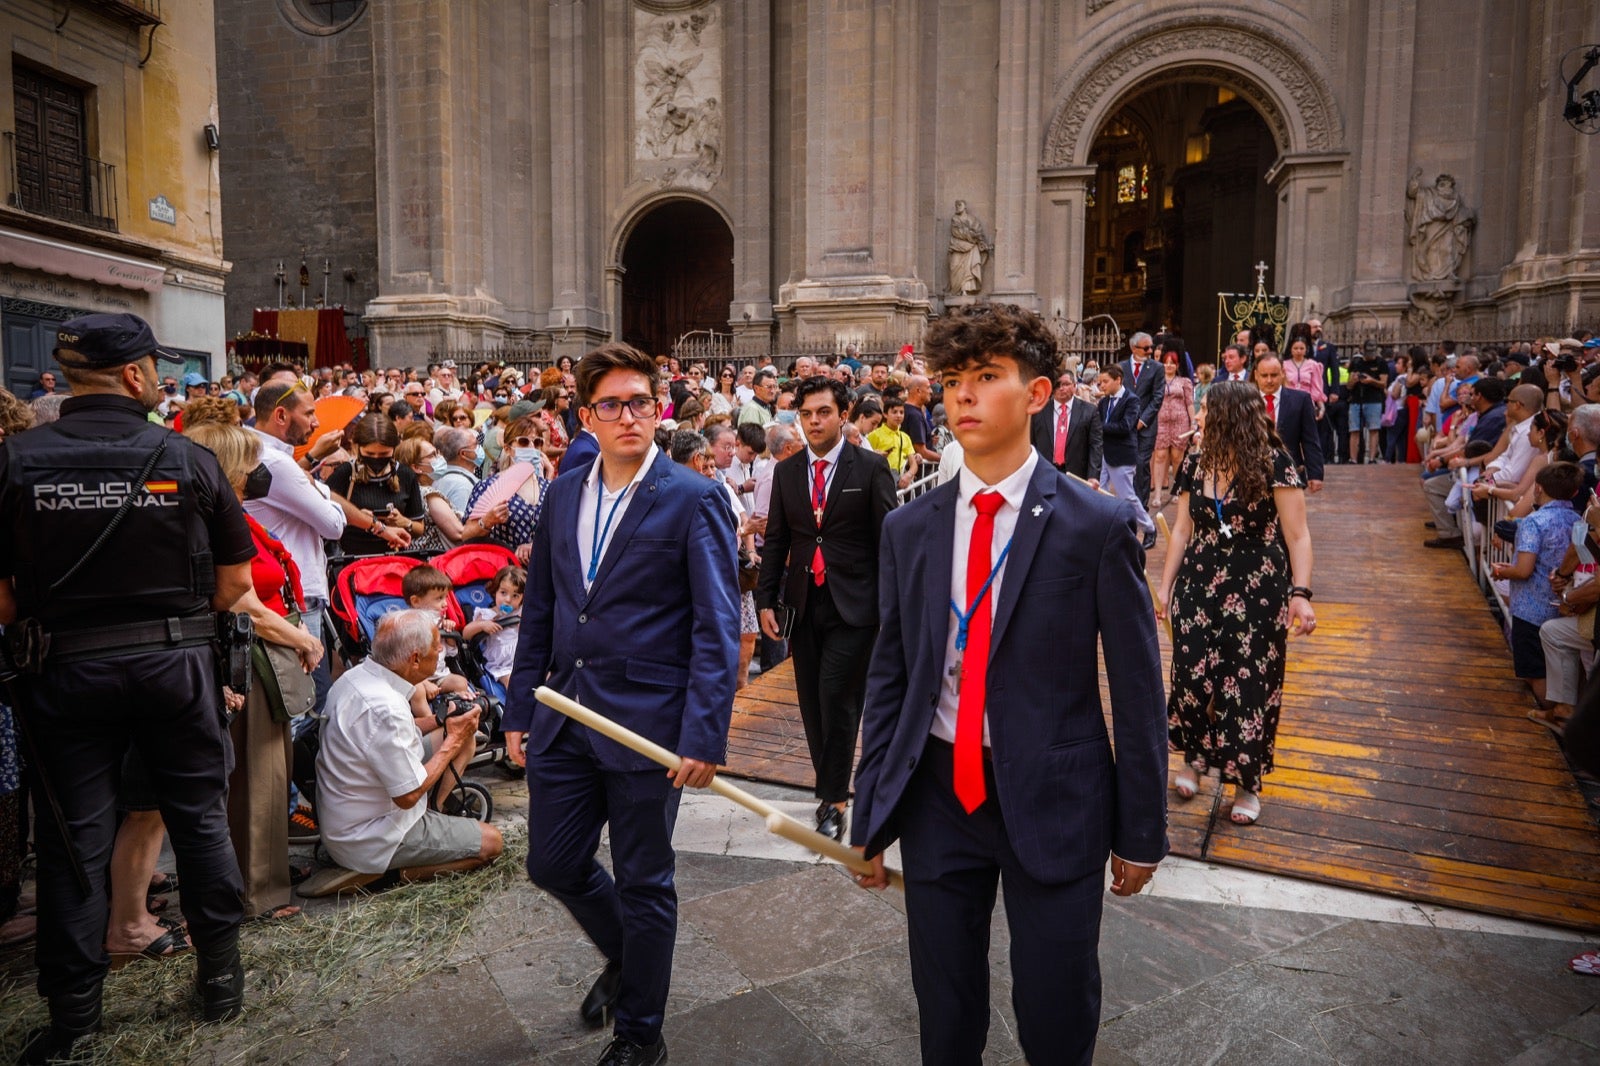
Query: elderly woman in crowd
point(258, 788)
point(1236, 583)
point(384, 493)
point(522, 460)
point(443, 527)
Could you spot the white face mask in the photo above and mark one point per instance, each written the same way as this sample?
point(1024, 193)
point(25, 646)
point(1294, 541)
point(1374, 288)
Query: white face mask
point(437, 465)
point(526, 455)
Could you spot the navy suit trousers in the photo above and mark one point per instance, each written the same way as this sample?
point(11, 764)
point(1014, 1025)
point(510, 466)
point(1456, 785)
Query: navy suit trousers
point(953, 861)
point(634, 919)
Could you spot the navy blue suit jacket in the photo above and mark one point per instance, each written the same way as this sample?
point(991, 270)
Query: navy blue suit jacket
point(654, 643)
point(1073, 579)
point(1119, 434)
point(580, 453)
point(1297, 426)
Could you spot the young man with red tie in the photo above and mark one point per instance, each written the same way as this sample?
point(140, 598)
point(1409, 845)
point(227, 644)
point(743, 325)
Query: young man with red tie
point(984, 748)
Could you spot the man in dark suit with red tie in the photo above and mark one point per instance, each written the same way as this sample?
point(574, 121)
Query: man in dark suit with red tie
point(1067, 432)
point(821, 553)
point(1293, 413)
point(984, 747)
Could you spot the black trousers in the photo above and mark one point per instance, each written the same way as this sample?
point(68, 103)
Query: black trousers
point(953, 864)
point(830, 681)
point(1141, 472)
point(83, 716)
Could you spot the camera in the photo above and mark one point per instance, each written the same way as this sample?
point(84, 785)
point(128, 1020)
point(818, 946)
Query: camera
point(1566, 362)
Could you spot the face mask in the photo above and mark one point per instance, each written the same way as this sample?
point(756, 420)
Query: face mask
point(437, 465)
point(788, 417)
point(478, 455)
point(526, 455)
point(258, 482)
point(377, 466)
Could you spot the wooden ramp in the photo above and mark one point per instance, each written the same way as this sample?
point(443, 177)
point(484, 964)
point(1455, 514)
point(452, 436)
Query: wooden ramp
point(1405, 762)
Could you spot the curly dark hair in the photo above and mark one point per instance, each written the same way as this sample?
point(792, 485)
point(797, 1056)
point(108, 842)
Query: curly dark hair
point(965, 335)
point(1239, 439)
point(813, 385)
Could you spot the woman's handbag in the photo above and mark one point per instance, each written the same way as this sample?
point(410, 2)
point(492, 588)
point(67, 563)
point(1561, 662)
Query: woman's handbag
point(290, 691)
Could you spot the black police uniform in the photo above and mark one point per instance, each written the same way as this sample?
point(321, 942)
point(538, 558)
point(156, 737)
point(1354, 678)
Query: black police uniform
point(60, 484)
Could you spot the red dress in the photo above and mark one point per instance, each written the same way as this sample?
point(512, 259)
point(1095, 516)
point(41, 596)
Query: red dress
point(273, 571)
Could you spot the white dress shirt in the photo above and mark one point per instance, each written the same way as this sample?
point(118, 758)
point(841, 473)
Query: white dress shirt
point(1277, 404)
point(299, 511)
point(371, 752)
point(832, 459)
point(1012, 489)
point(1513, 462)
point(593, 488)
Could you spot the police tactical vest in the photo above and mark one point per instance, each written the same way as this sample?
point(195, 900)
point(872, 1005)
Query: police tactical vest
point(66, 489)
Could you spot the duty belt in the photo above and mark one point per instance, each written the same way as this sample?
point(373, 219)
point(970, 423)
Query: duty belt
point(76, 645)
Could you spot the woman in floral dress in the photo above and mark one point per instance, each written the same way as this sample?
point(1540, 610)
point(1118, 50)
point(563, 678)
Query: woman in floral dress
point(1234, 594)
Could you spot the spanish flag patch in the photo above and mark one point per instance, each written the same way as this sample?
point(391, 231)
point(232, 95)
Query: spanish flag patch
point(160, 488)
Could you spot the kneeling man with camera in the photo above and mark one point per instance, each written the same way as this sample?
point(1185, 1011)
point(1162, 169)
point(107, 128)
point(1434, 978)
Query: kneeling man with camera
point(374, 773)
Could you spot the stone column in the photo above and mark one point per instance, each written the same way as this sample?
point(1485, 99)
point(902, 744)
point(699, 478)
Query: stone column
point(1062, 191)
point(1310, 191)
point(747, 67)
point(1385, 83)
point(577, 319)
point(1016, 158)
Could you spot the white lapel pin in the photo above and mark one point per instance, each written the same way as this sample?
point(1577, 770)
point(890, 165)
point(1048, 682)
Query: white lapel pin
point(1038, 509)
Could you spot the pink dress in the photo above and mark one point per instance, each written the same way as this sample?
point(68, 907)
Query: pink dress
point(1176, 416)
point(1307, 377)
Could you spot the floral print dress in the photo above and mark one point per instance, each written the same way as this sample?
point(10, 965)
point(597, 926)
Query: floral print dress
point(1230, 625)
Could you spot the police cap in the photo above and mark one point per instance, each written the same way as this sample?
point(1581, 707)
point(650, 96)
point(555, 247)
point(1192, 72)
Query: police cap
point(94, 342)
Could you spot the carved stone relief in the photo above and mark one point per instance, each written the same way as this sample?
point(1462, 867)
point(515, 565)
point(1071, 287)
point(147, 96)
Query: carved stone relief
point(1439, 228)
point(1096, 75)
point(677, 83)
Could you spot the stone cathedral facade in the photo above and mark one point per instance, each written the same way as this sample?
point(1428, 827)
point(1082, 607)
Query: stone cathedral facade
point(483, 173)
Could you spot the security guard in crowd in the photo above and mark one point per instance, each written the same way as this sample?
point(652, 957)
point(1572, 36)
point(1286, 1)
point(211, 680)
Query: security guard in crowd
point(119, 542)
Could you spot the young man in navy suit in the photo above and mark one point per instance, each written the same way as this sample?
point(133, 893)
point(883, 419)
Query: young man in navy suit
point(632, 608)
point(984, 748)
point(1119, 433)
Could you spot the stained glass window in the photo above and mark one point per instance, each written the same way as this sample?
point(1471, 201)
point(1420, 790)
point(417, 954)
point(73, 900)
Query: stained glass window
point(1144, 182)
point(1088, 198)
point(1127, 189)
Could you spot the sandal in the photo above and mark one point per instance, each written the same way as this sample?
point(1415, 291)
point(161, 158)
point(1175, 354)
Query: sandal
point(1246, 808)
point(1186, 783)
point(155, 897)
point(283, 910)
point(169, 945)
point(1558, 726)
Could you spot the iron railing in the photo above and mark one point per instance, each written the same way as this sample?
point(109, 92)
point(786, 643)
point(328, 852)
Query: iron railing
point(87, 198)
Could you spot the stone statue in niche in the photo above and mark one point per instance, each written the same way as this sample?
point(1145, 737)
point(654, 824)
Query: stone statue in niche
point(1439, 228)
point(969, 248)
point(677, 120)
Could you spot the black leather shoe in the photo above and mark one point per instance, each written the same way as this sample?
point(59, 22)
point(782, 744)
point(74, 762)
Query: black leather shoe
point(1149, 540)
point(830, 821)
point(622, 1052)
point(221, 984)
point(74, 1016)
point(602, 996)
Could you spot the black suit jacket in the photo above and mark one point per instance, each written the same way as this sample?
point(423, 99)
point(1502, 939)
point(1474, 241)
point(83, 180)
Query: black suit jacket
point(1119, 420)
point(862, 492)
point(1149, 390)
point(1297, 425)
point(1083, 438)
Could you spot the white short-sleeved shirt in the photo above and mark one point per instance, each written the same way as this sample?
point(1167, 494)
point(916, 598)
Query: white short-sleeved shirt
point(371, 752)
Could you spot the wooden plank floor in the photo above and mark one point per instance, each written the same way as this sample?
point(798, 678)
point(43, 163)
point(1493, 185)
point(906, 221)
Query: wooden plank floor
point(1405, 764)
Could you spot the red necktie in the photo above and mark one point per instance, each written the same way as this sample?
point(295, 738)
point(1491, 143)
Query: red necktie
point(819, 500)
point(1134, 363)
point(1061, 435)
point(1271, 410)
point(968, 774)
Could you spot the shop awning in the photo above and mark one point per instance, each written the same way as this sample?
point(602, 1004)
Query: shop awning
point(73, 261)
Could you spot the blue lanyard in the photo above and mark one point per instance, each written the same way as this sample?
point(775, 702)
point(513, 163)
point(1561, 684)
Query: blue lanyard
point(1216, 501)
point(599, 533)
point(964, 620)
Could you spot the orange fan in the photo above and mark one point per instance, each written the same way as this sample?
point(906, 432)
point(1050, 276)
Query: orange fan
point(333, 412)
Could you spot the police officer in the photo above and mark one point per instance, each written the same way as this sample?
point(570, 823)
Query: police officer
point(119, 540)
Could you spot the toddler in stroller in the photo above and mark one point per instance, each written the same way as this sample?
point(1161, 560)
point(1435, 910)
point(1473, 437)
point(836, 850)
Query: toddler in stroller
point(493, 627)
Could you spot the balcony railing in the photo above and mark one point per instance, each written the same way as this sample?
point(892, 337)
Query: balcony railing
point(131, 12)
point(87, 196)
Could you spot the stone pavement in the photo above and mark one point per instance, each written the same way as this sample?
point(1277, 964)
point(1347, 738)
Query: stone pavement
point(784, 961)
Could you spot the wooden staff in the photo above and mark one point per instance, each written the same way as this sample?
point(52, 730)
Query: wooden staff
point(778, 823)
point(1161, 523)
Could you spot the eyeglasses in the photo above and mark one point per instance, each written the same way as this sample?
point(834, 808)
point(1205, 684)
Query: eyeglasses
point(641, 407)
point(523, 442)
point(1143, 347)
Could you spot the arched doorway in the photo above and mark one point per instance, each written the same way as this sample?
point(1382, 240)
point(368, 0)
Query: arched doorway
point(677, 275)
point(1178, 209)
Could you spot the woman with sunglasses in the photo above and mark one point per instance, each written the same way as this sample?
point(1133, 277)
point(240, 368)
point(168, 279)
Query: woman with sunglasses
point(443, 529)
point(724, 401)
point(521, 458)
point(382, 496)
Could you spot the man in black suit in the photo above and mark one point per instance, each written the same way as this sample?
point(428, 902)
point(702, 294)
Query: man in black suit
point(1144, 378)
point(827, 509)
point(1119, 415)
point(1066, 432)
point(1296, 418)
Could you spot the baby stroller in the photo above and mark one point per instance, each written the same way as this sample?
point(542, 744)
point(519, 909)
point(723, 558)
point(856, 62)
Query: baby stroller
point(362, 592)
